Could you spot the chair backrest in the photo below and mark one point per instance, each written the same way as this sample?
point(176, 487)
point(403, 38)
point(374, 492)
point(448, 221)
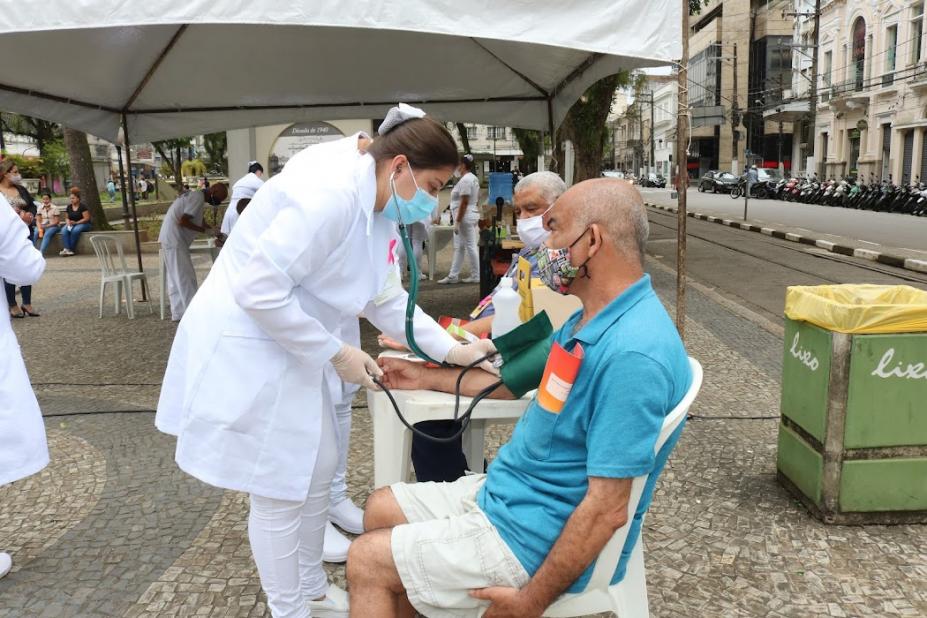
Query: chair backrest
point(109, 252)
point(607, 561)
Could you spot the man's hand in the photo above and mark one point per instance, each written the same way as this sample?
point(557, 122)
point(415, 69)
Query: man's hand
point(27, 217)
point(507, 603)
point(402, 375)
point(388, 342)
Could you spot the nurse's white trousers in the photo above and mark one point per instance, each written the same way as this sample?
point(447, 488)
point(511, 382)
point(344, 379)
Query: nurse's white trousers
point(418, 236)
point(181, 278)
point(465, 245)
point(343, 415)
point(286, 537)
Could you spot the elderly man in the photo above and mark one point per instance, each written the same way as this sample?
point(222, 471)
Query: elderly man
point(518, 537)
point(533, 196)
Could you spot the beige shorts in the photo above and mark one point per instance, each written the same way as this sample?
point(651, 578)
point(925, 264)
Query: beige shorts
point(449, 548)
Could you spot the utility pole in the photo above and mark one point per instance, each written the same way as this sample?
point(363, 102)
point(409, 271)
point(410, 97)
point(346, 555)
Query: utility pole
point(653, 157)
point(682, 172)
point(640, 132)
point(813, 98)
point(781, 165)
point(735, 119)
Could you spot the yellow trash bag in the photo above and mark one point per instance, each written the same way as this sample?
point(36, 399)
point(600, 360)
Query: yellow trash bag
point(859, 308)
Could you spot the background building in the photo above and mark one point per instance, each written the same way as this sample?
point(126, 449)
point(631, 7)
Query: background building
point(872, 84)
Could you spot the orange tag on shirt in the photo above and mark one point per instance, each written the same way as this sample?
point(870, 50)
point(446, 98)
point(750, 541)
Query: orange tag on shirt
point(559, 376)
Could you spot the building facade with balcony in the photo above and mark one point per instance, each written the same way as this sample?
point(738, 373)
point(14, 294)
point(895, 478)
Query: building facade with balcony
point(872, 103)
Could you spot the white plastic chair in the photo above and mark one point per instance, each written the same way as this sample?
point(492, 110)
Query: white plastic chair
point(113, 266)
point(627, 598)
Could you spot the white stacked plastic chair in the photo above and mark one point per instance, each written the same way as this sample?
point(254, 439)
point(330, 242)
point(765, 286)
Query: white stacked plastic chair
point(627, 598)
point(114, 270)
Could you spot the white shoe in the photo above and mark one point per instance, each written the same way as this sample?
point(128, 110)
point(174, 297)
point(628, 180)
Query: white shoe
point(334, 605)
point(422, 276)
point(6, 563)
point(335, 547)
point(470, 280)
point(347, 516)
point(447, 280)
point(63, 252)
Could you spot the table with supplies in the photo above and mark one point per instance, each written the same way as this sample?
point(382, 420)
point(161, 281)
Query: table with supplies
point(392, 441)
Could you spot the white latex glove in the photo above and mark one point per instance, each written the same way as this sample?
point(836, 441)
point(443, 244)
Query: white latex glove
point(356, 366)
point(465, 354)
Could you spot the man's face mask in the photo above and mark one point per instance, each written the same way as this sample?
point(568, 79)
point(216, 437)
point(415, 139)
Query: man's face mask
point(531, 231)
point(555, 267)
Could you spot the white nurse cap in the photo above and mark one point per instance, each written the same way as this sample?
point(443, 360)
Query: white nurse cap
point(397, 115)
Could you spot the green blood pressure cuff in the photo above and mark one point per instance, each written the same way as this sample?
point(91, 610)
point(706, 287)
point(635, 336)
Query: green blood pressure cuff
point(524, 354)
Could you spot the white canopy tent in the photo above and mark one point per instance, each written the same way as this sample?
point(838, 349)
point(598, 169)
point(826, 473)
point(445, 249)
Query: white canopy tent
point(159, 68)
point(182, 68)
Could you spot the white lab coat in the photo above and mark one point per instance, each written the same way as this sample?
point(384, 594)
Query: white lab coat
point(243, 384)
point(23, 449)
point(245, 187)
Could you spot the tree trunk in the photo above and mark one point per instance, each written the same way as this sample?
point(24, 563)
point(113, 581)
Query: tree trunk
point(83, 177)
point(584, 125)
point(464, 138)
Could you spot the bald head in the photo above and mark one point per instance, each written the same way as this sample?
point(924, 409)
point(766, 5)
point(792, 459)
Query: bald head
point(615, 206)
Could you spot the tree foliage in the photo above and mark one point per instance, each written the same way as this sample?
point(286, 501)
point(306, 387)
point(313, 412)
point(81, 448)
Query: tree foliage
point(192, 167)
point(695, 6)
point(171, 151)
point(40, 131)
point(217, 157)
point(585, 126)
point(529, 141)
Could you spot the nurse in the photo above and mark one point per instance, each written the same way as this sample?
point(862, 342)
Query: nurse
point(244, 188)
point(23, 450)
point(182, 223)
point(245, 389)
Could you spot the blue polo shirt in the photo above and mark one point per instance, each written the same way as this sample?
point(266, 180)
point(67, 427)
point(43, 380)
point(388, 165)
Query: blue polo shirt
point(635, 370)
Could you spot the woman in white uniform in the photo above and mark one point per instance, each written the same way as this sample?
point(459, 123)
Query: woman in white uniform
point(245, 388)
point(465, 206)
point(23, 450)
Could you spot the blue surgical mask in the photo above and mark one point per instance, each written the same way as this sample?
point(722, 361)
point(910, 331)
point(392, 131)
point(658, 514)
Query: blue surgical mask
point(404, 211)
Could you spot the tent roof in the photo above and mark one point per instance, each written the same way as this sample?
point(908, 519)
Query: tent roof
point(182, 68)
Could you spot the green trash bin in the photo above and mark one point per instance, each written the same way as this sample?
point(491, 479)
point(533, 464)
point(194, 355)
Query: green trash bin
point(853, 433)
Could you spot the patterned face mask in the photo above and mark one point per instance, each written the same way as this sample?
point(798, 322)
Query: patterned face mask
point(555, 267)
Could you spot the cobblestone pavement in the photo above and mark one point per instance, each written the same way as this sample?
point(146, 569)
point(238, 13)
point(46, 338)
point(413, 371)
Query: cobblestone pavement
point(113, 528)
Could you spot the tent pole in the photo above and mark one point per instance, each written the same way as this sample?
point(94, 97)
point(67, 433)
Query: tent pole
point(682, 173)
point(122, 187)
point(554, 162)
point(138, 243)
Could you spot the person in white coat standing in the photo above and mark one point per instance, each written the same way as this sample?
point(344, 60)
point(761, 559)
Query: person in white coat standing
point(244, 188)
point(319, 248)
point(465, 206)
point(23, 449)
point(183, 221)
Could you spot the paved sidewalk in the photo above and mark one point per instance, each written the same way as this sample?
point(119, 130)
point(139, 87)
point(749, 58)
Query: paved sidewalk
point(113, 528)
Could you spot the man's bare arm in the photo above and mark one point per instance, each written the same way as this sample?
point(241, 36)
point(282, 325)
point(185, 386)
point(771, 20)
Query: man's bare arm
point(603, 511)
point(408, 375)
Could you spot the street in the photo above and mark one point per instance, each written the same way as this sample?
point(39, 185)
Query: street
point(754, 269)
point(873, 228)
